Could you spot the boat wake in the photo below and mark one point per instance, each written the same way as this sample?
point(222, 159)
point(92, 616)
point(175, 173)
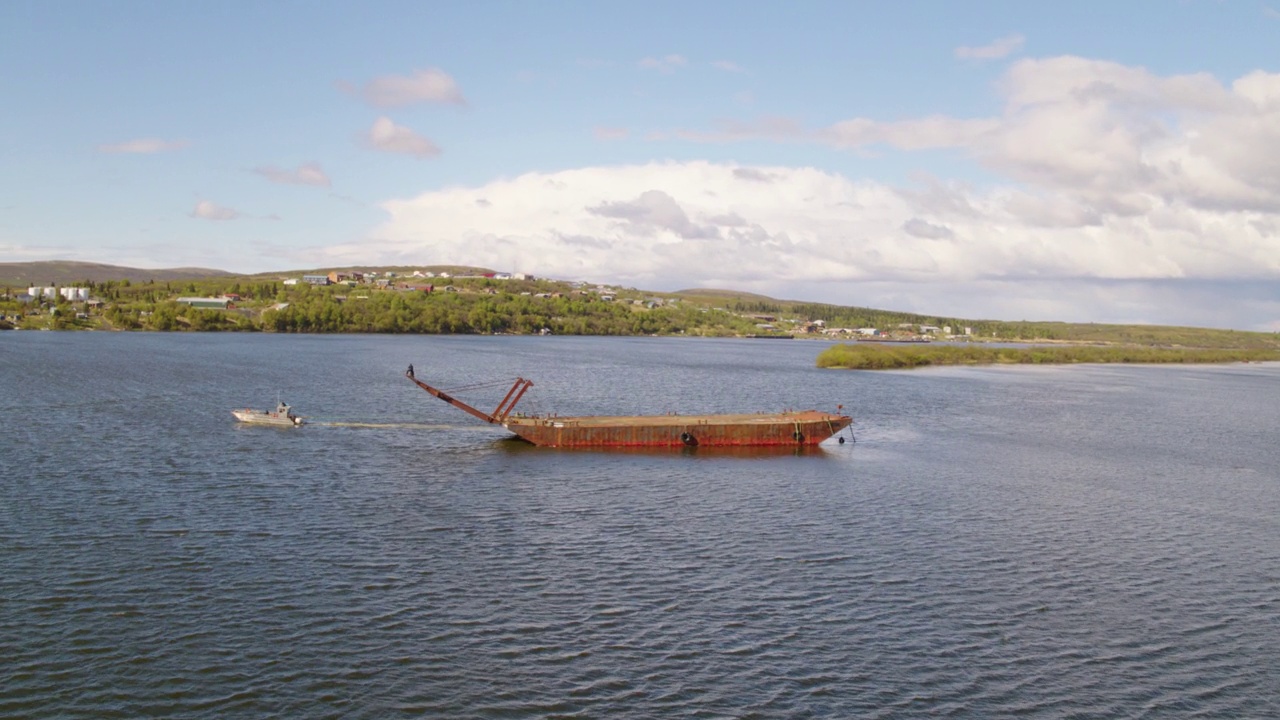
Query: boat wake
point(403, 425)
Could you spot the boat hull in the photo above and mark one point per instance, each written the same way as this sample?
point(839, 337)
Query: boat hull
point(807, 427)
point(265, 417)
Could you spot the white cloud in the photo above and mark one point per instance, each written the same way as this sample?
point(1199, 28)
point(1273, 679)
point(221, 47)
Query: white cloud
point(666, 64)
point(920, 134)
point(727, 66)
point(927, 230)
point(1112, 135)
point(432, 85)
point(206, 210)
point(998, 49)
point(653, 212)
point(305, 174)
point(750, 173)
point(1113, 194)
point(386, 136)
point(1107, 137)
point(611, 133)
point(144, 146)
point(809, 234)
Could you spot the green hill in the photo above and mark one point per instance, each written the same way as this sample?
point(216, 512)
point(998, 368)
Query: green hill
point(469, 303)
point(67, 272)
point(398, 269)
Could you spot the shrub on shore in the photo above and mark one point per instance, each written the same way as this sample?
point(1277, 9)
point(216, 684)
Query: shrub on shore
point(877, 356)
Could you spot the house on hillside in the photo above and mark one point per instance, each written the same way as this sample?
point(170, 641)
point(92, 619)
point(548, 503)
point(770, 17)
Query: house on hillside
point(218, 303)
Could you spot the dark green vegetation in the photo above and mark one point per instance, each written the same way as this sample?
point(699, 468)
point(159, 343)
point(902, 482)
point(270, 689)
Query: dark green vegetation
point(403, 305)
point(488, 307)
point(987, 330)
point(392, 301)
point(876, 356)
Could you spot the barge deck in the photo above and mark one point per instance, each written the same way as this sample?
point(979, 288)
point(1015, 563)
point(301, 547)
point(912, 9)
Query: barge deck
point(788, 428)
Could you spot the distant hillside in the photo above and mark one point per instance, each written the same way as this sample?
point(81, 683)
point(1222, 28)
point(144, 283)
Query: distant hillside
point(66, 272)
point(718, 294)
point(741, 307)
point(398, 269)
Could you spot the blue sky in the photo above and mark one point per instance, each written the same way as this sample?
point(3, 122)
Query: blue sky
point(1110, 162)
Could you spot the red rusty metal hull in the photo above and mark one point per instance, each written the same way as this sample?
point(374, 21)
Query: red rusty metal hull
point(805, 427)
point(792, 428)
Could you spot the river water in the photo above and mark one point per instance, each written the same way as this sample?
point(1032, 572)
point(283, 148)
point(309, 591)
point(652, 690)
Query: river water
point(1089, 541)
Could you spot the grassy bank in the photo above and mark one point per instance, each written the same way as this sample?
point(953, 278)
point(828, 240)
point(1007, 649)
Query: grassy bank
point(875, 356)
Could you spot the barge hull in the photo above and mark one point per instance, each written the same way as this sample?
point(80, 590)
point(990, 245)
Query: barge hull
point(792, 429)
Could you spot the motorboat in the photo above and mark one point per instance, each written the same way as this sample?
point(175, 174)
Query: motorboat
point(281, 416)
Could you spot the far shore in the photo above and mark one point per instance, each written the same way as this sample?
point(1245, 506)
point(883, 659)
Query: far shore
point(876, 356)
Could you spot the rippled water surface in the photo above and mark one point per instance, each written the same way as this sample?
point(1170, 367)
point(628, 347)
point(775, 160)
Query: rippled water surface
point(1042, 542)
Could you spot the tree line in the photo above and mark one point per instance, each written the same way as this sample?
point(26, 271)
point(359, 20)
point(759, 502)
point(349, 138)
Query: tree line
point(479, 306)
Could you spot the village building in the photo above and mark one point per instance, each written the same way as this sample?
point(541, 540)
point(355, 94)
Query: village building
point(207, 303)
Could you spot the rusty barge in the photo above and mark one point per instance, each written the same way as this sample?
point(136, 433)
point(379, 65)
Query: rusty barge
point(788, 428)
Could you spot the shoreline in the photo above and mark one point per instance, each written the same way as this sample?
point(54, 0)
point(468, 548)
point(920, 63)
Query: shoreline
point(869, 356)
